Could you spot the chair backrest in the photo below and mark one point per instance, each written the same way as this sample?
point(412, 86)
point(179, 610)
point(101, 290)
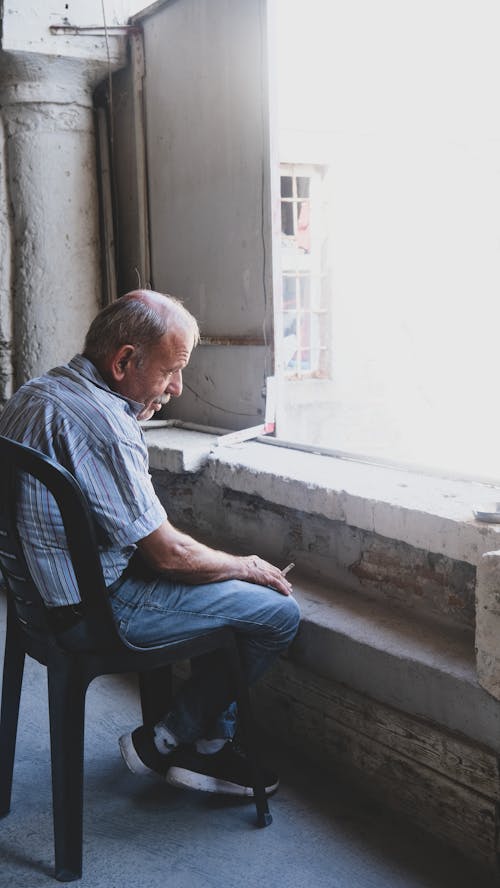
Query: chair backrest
point(25, 598)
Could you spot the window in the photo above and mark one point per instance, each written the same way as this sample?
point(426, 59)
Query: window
point(395, 355)
point(304, 305)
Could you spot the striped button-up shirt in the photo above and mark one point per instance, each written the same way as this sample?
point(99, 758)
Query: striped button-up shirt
point(71, 415)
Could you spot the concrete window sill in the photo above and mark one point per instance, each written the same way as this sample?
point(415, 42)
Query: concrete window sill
point(424, 511)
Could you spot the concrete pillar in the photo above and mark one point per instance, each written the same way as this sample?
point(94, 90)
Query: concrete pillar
point(488, 622)
point(50, 203)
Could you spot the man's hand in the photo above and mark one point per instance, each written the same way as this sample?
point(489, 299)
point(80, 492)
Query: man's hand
point(265, 574)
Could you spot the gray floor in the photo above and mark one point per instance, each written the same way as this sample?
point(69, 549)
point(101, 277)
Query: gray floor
point(141, 833)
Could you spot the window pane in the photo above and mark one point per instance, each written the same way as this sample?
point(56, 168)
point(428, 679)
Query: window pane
point(302, 261)
point(286, 186)
point(305, 293)
point(397, 195)
point(287, 218)
point(303, 186)
point(303, 226)
point(289, 293)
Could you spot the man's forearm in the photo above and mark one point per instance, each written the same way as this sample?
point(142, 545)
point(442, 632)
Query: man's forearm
point(172, 552)
point(194, 562)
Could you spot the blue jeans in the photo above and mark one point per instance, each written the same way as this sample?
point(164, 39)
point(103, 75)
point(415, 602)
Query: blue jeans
point(158, 611)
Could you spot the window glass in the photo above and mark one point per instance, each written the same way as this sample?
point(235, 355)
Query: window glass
point(390, 239)
point(303, 278)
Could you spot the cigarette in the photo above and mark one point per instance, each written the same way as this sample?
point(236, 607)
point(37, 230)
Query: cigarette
point(288, 568)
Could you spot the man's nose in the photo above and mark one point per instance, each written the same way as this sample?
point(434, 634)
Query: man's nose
point(174, 387)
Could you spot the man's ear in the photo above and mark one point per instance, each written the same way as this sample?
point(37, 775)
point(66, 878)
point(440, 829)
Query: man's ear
point(120, 361)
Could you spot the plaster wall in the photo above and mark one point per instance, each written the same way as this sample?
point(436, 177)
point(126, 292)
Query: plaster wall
point(49, 157)
point(50, 242)
point(26, 28)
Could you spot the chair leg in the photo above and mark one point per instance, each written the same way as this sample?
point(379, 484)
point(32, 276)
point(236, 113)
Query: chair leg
point(67, 689)
point(156, 693)
point(246, 722)
point(11, 695)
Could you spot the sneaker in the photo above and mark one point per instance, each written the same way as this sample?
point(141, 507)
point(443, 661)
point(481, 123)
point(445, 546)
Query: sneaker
point(227, 772)
point(140, 754)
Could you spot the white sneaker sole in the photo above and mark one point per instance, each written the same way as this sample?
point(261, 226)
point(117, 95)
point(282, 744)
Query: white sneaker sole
point(185, 779)
point(130, 757)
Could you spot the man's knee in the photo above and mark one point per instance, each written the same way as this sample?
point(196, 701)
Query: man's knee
point(290, 617)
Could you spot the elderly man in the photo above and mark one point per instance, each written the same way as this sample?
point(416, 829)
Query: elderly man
point(164, 586)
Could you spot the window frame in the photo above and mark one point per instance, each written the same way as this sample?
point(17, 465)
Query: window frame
point(312, 320)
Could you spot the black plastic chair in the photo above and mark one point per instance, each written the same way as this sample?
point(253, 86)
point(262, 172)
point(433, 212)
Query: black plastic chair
point(70, 671)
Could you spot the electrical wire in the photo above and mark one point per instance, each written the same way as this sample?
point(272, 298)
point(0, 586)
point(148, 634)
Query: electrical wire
point(217, 406)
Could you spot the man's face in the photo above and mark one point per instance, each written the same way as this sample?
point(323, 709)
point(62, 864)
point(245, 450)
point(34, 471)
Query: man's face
point(159, 376)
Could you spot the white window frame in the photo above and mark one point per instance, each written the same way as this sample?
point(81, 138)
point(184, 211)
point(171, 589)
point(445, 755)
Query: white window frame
point(312, 267)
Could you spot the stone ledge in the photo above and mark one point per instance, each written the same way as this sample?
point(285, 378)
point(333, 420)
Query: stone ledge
point(426, 512)
point(417, 667)
point(178, 450)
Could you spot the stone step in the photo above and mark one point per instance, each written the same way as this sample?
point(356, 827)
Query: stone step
point(417, 666)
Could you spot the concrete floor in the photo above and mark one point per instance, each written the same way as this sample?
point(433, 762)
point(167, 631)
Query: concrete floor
point(138, 832)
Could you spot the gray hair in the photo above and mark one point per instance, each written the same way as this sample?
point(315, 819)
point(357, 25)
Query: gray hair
point(134, 322)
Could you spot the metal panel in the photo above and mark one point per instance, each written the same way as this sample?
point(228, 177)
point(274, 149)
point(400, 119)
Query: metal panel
point(208, 159)
point(208, 156)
